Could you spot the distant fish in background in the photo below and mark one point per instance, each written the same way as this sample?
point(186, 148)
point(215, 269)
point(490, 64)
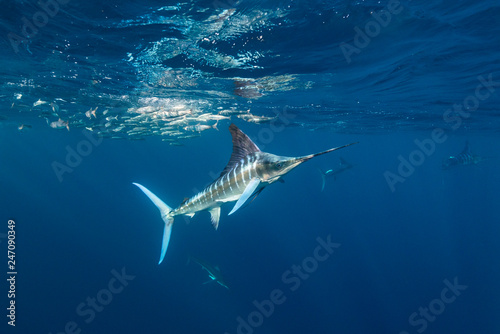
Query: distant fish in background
point(256, 119)
point(55, 107)
point(91, 112)
point(214, 272)
point(343, 166)
point(59, 124)
point(233, 111)
point(200, 127)
point(39, 103)
point(464, 158)
point(24, 127)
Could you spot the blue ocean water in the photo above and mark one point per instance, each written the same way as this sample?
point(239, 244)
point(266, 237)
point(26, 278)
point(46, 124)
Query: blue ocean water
point(97, 95)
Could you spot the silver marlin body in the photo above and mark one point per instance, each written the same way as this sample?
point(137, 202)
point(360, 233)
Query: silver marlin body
point(248, 171)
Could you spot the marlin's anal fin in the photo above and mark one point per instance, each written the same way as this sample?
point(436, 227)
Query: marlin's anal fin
point(252, 185)
point(215, 215)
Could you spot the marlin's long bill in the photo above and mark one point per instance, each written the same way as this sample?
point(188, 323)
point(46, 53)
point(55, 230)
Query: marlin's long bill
point(310, 156)
point(248, 171)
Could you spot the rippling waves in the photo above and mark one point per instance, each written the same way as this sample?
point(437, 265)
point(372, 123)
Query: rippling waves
point(176, 70)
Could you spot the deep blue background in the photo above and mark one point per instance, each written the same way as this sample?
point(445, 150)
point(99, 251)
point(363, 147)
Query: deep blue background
point(397, 247)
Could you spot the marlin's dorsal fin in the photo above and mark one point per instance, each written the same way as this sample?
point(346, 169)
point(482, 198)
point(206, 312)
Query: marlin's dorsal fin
point(242, 146)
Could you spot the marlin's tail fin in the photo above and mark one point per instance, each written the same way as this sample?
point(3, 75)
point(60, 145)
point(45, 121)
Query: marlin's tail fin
point(323, 179)
point(164, 211)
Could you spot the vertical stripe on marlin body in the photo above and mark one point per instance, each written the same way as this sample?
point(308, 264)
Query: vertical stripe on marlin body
point(248, 171)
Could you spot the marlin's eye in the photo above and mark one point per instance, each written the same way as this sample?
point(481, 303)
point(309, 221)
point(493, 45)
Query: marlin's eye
point(278, 165)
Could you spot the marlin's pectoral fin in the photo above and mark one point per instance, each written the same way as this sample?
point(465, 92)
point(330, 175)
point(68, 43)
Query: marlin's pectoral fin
point(246, 194)
point(215, 215)
point(254, 196)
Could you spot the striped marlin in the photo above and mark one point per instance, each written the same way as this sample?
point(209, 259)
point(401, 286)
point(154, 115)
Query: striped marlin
point(343, 166)
point(248, 171)
point(214, 272)
point(464, 158)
